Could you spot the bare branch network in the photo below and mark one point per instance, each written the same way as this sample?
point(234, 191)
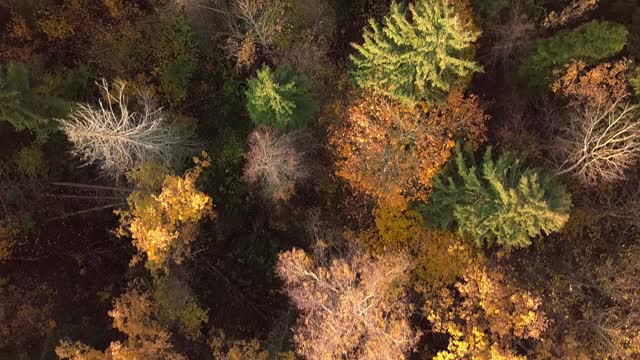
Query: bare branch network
point(275, 163)
point(117, 138)
point(601, 142)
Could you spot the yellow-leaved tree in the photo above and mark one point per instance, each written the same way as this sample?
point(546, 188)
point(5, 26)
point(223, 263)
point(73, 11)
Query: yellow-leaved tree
point(486, 317)
point(163, 226)
point(136, 315)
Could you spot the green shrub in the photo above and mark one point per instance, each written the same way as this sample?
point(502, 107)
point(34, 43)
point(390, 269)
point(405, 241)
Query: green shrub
point(281, 99)
point(500, 201)
point(23, 101)
point(30, 161)
point(416, 59)
point(157, 52)
point(180, 62)
point(590, 42)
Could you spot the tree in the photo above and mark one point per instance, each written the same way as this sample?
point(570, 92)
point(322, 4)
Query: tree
point(281, 99)
point(485, 317)
point(117, 139)
point(500, 201)
point(23, 104)
point(275, 162)
point(26, 311)
point(392, 151)
point(250, 23)
point(440, 257)
point(224, 349)
point(178, 307)
point(351, 307)
point(601, 138)
point(162, 226)
point(509, 38)
point(416, 57)
point(134, 314)
point(617, 329)
point(590, 42)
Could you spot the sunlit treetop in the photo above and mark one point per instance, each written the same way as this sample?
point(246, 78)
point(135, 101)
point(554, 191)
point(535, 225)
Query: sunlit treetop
point(419, 55)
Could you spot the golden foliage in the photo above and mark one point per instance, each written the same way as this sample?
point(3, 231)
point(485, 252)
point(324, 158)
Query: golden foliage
point(115, 7)
point(163, 226)
point(134, 314)
point(351, 307)
point(440, 257)
point(392, 151)
point(485, 317)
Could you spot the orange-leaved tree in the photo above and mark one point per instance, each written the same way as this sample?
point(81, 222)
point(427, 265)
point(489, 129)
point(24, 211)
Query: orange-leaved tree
point(392, 151)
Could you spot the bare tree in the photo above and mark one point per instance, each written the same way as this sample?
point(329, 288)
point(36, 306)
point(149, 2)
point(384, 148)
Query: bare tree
point(350, 306)
point(600, 138)
point(117, 138)
point(600, 142)
point(510, 38)
point(249, 23)
point(275, 162)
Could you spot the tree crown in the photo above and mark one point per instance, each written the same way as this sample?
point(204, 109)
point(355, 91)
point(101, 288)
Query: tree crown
point(420, 56)
point(499, 201)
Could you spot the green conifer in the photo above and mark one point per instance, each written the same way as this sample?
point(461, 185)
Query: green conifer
point(590, 42)
point(415, 57)
point(281, 99)
point(500, 201)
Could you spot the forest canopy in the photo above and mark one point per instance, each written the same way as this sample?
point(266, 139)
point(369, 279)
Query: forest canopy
point(319, 179)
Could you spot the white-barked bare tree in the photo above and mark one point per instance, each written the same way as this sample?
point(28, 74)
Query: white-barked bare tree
point(116, 138)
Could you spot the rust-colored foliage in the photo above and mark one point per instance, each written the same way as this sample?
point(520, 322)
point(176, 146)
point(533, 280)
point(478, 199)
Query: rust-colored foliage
point(486, 318)
point(350, 307)
point(392, 151)
point(163, 226)
point(597, 86)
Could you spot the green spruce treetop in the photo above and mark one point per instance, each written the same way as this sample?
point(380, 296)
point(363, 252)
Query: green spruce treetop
point(498, 202)
point(417, 59)
point(590, 42)
point(281, 99)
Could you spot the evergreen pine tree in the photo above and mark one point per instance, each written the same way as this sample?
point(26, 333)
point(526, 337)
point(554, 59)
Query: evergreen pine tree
point(281, 99)
point(25, 106)
point(416, 59)
point(498, 201)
